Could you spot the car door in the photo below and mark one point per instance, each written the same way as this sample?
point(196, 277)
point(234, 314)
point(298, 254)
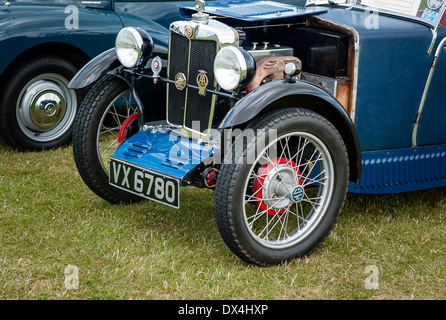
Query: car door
point(430, 123)
point(432, 118)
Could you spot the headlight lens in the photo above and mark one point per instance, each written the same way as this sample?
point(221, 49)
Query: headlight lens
point(129, 47)
point(233, 67)
point(133, 46)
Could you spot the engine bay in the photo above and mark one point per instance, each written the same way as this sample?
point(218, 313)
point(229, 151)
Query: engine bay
point(325, 52)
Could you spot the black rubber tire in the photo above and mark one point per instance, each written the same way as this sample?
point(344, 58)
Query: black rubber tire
point(17, 80)
point(85, 147)
point(230, 189)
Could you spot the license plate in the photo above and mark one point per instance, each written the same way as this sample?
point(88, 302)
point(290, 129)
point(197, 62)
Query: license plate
point(145, 183)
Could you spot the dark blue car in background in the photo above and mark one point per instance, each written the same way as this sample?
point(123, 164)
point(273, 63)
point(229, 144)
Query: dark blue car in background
point(42, 46)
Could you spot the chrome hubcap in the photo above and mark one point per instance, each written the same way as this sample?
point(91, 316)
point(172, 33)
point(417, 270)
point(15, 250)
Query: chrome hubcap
point(278, 187)
point(46, 107)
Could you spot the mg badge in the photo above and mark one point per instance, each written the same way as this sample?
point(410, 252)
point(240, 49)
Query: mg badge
point(202, 81)
point(189, 31)
point(297, 194)
point(180, 81)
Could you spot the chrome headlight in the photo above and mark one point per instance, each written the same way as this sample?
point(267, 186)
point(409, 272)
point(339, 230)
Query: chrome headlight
point(233, 67)
point(133, 47)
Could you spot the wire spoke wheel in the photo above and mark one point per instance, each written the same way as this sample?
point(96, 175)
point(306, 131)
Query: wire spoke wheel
point(278, 198)
point(286, 195)
point(96, 131)
point(111, 122)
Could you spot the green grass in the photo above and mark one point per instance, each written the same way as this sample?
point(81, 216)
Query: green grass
point(49, 220)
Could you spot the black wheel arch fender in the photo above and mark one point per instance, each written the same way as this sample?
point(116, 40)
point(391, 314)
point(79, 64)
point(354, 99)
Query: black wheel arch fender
point(98, 66)
point(146, 93)
point(282, 94)
point(108, 62)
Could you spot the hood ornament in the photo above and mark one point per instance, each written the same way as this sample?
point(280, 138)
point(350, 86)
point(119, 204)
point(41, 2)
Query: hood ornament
point(200, 16)
point(199, 5)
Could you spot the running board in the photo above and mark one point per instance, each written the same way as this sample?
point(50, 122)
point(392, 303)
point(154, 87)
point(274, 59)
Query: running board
point(400, 170)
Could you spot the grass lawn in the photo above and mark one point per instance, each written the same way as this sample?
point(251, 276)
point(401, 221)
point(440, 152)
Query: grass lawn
point(52, 227)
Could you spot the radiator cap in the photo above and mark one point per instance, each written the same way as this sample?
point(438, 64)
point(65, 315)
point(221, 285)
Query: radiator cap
point(200, 17)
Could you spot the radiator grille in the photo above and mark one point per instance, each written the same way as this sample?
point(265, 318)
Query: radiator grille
point(186, 107)
point(179, 50)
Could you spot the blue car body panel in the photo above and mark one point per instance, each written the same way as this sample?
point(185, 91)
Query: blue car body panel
point(432, 129)
point(392, 71)
point(393, 68)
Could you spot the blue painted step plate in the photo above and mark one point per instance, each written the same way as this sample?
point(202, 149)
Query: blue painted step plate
point(164, 151)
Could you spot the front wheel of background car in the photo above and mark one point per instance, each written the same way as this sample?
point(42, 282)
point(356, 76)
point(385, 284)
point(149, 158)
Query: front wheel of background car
point(37, 109)
point(95, 135)
point(282, 186)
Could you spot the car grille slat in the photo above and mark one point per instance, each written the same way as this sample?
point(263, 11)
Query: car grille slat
point(187, 107)
point(179, 52)
point(198, 106)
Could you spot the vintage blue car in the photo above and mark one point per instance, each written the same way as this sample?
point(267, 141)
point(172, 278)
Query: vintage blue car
point(44, 44)
point(281, 109)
